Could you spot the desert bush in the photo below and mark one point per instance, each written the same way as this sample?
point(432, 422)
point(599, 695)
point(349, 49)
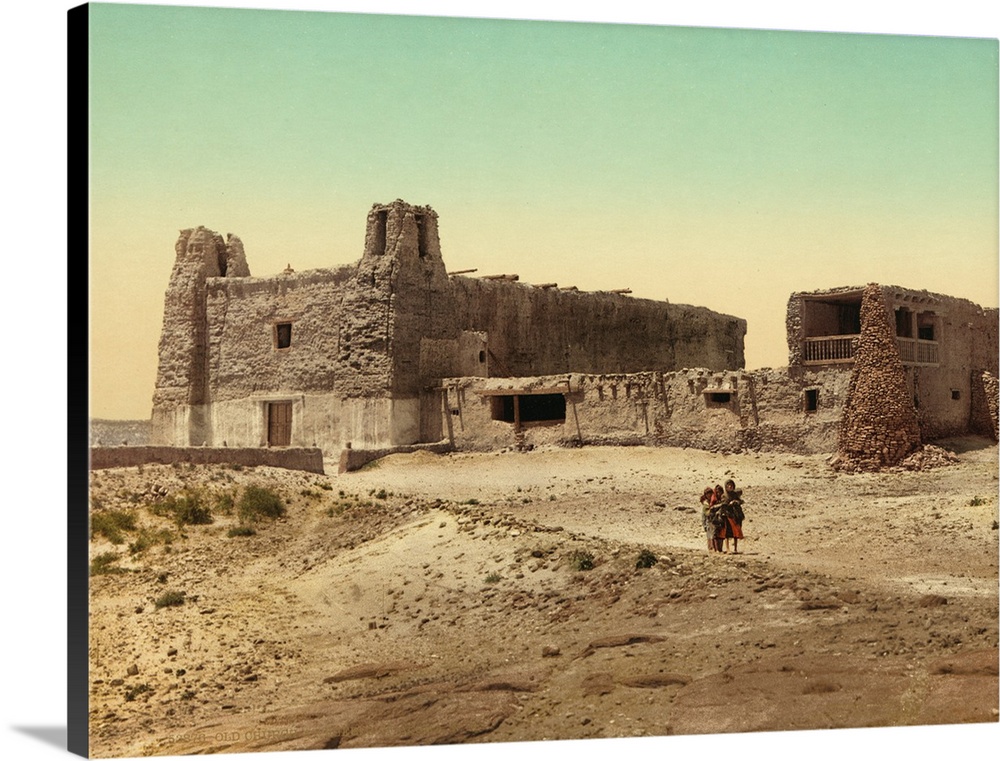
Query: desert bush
point(148, 538)
point(224, 502)
point(105, 563)
point(977, 501)
point(493, 578)
point(241, 530)
point(257, 502)
point(169, 599)
point(581, 560)
point(112, 524)
point(184, 508)
point(646, 560)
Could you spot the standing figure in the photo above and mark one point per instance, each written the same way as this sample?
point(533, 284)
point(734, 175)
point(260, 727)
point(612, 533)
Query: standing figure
point(707, 500)
point(733, 512)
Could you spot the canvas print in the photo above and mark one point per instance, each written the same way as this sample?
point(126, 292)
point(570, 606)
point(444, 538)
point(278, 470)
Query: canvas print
point(465, 380)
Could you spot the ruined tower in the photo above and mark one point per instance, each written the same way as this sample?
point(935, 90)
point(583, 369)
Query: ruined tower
point(397, 307)
point(180, 414)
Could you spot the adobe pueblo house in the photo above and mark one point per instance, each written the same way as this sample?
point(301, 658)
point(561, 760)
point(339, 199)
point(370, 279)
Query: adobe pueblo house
point(355, 356)
point(395, 352)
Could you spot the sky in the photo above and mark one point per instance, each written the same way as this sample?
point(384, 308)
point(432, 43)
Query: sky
point(720, 167)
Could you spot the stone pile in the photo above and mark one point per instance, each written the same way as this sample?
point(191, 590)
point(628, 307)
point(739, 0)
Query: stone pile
point(927, 457)
point(879, 428)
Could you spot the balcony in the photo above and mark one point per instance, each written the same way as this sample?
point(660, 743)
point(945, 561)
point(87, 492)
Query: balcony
point(833, 350)
point(915, 351)
point(828, 350)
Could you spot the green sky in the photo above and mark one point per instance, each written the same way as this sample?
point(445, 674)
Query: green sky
point(725, 168)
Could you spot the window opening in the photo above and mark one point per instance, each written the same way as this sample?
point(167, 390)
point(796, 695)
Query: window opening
point(718, 397)
point(904, 323)
point(812, 399)
point(283, 335)
point(421, 235)
point(956, 394)
point(528, 408)
point(381, 222)
point(925, 326)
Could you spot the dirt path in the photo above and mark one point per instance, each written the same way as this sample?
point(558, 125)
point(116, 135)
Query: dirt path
point(434, 599)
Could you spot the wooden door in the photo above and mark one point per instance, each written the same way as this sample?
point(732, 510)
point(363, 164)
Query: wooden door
point(279, 424)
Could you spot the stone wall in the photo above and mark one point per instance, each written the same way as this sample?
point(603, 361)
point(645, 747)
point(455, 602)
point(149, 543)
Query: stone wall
point(985, 400)
point(310, 460)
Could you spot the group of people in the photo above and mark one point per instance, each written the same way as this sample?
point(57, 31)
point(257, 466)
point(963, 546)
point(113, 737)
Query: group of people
point(722, 516)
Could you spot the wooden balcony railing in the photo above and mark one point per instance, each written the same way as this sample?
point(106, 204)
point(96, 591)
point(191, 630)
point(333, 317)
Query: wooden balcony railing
point(823, 350)
point(916, 352)
point(829, 350)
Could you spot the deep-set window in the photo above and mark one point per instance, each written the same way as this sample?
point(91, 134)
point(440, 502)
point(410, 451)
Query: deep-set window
point(531, 408)
point(283, 335)
point(811, 399)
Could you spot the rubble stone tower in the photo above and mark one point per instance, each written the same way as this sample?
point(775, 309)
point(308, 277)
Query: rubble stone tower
point(879, 427)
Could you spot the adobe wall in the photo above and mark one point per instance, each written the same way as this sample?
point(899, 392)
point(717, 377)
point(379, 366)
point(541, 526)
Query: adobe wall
point(241, 315)
point(764, 410)
point(942, 394)
point(310, 460)
point(542, 331)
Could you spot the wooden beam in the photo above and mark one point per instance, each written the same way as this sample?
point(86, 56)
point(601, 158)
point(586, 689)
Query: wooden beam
point(462, 272)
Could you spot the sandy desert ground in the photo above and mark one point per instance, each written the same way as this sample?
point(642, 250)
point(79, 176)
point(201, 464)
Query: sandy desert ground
point(447, 599)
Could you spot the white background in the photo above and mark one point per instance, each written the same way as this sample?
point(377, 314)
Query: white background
point(33, 275)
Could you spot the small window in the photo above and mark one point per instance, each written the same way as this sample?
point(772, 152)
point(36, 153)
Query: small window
point(283, 335)
point(956, 394)
point(812, 399)
point(718, 397)
point(482, 357)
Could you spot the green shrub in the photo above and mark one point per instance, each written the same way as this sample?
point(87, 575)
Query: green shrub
point(224, 502)
point(581, 560)
point(241, 530)
point(169, 599)
point(493, 578)
point(148, 538)
point(646, 560)
point(977, 501)
point(112, 524)
point(105, 563)
point(184, 508)
point(256, 502)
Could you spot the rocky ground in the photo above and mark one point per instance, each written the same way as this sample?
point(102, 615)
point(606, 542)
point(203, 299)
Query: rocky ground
point(496, 597)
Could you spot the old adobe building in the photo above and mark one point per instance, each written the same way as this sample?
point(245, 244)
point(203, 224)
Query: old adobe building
point(357, 354)
point(394, 351)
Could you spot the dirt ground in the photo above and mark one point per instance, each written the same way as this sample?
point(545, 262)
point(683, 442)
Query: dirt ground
point(447, 599)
